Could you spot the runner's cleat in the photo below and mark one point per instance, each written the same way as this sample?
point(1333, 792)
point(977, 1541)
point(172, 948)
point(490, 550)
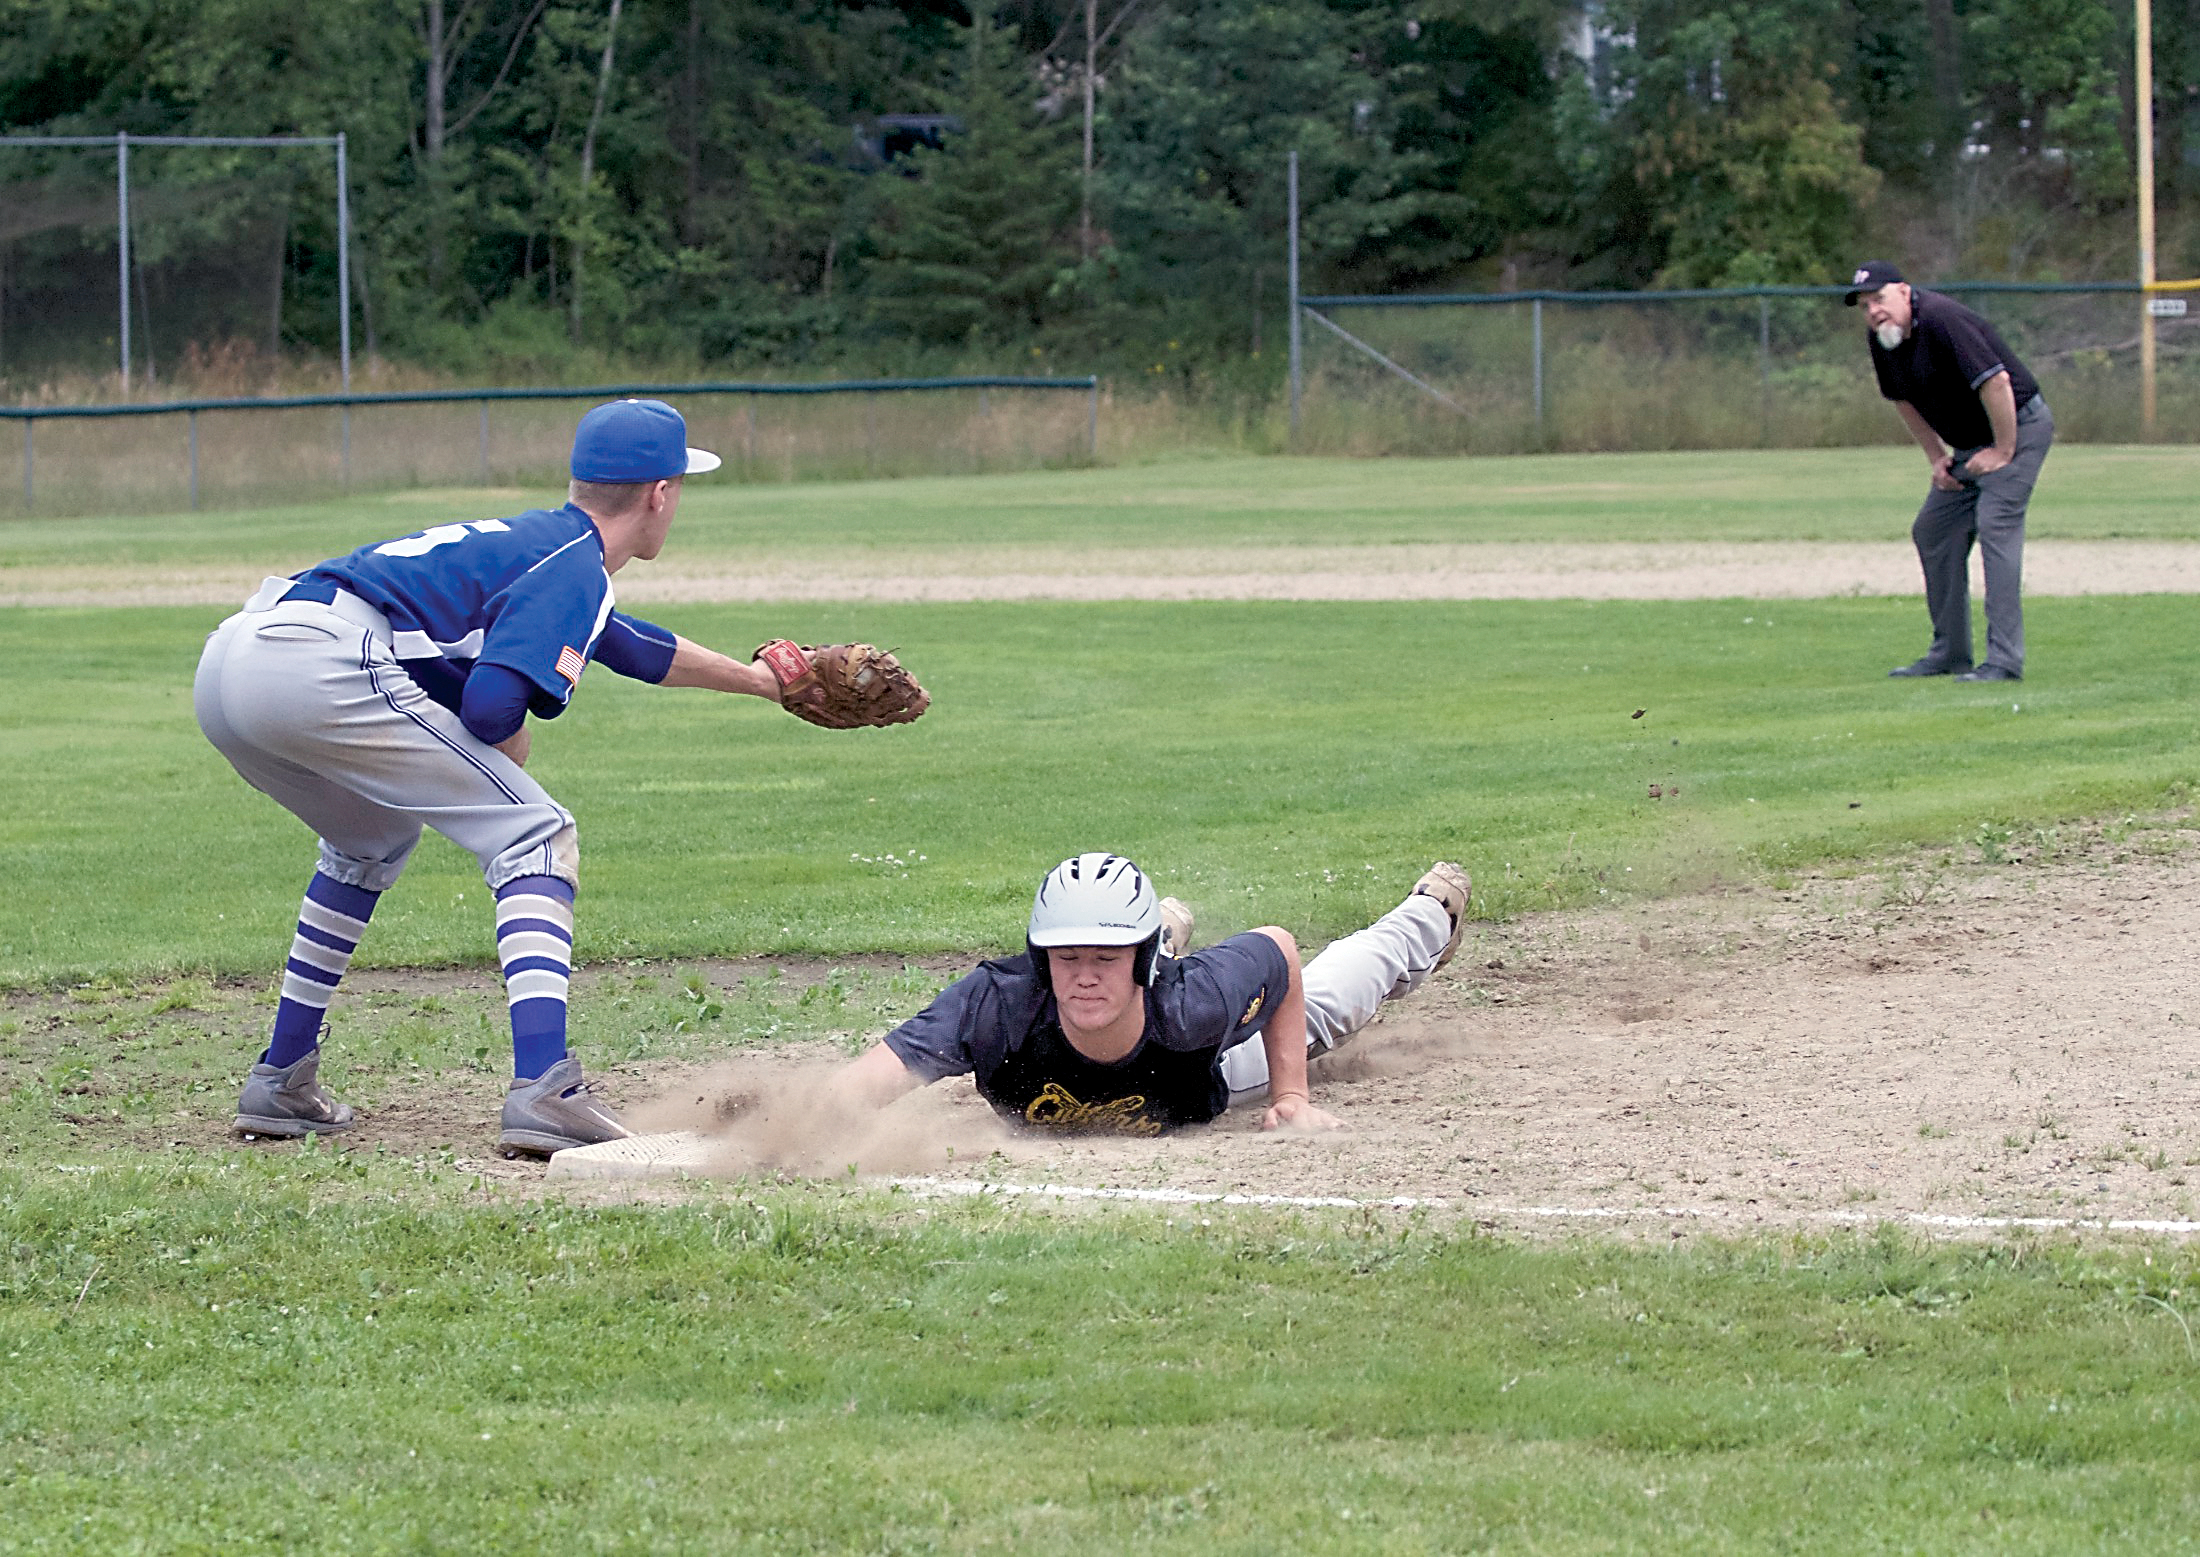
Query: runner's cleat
point(1176, 928)
point(1448, 884)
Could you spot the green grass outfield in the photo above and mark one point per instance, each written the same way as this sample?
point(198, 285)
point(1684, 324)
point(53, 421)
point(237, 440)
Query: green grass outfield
point(258, 1350)
point(2089, 492)
point(1288, 763)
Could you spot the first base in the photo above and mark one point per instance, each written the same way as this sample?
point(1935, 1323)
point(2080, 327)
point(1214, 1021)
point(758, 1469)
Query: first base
point(680, 1154)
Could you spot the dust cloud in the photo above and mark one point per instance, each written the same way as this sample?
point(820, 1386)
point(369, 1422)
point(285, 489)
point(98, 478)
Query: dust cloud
point(766, 1115)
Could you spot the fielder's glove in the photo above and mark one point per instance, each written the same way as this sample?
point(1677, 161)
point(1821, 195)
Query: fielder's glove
point(843, 686)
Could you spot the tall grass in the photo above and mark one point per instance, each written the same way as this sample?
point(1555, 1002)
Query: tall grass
point(1698, 375)
point(1615, 377)
point(143, 464)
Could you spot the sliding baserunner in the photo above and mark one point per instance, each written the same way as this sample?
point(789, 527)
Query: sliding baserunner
point(1108, 1022)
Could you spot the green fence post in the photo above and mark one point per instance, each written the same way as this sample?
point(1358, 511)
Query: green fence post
point(191, 421)
point(1291, 284)
point(1764, 368)
point(30, 487)
point(1536, 315)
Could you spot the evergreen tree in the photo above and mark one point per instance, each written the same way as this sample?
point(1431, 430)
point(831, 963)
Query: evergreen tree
point(983, 228)
point(1197, 123)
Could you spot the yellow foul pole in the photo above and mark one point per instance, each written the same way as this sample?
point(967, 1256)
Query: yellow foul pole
point(2144, 138)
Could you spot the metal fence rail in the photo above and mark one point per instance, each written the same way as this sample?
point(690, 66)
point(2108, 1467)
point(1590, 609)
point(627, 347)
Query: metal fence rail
point(1689, 294)
point(483, 398)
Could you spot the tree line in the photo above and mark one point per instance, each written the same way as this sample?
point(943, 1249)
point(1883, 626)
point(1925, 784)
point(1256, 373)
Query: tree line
point(790, 185)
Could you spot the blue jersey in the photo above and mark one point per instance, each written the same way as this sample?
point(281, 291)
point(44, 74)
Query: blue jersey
point(527, 593)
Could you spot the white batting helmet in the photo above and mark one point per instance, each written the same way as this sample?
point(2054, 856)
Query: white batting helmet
point(1096, 900)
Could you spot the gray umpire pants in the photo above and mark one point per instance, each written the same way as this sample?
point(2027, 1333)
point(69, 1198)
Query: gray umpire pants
point(1990, 509)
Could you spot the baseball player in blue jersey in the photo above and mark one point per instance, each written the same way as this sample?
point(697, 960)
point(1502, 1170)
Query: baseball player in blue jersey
point(389, 690)
point(1109, 1023)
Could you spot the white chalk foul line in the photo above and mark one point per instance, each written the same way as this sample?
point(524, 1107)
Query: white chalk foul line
point(970, 1188)
point(966, 1188)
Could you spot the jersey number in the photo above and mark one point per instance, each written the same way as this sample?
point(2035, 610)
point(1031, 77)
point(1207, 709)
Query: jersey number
point(439, 535)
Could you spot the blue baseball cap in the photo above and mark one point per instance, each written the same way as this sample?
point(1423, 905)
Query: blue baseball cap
point(636, 440)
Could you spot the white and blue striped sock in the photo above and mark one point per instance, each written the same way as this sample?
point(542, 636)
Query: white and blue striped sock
point(330, 922)
point(535, 946)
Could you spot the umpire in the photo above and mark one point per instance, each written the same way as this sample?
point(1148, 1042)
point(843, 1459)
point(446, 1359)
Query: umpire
point(1977, 413)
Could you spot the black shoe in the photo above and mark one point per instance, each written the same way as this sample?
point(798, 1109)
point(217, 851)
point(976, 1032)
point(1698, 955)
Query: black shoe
point(1931, 667)
point(1991, 673)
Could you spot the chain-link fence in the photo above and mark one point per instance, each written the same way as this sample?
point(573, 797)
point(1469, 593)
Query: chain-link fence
point(229, 453)
point(1763, 367)
point(141, 255)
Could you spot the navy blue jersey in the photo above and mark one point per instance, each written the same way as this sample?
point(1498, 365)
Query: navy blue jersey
point(999, 1025)
point(528, 593)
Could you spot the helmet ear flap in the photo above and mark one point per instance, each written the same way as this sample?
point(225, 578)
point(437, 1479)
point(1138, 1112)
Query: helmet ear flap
point(1041, 964)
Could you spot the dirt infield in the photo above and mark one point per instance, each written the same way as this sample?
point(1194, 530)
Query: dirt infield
point(2019, 1039)
point(1942, 1037)
point(1765, 570)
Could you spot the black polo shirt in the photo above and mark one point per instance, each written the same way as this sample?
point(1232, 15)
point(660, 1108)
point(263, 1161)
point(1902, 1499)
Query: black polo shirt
point(1950, 352)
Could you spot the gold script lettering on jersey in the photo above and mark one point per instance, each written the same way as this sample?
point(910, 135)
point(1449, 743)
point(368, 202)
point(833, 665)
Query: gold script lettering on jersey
point(1055, 1109)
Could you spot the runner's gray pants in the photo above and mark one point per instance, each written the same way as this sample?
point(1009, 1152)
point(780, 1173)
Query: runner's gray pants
point(1348, 983)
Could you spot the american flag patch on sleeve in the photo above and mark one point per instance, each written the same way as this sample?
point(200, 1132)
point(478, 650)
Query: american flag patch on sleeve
point(570, 664)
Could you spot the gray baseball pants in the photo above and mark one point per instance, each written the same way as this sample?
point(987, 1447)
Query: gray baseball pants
point(312, 709)
point(1992, 510)
point(1348, 983)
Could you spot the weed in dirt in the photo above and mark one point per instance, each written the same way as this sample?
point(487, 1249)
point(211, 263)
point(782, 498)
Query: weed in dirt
point(183, 995)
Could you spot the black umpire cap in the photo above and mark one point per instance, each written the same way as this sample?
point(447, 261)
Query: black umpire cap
point(1870, 277)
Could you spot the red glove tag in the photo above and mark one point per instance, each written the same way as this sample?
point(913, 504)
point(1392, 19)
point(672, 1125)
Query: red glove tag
point(789, 666)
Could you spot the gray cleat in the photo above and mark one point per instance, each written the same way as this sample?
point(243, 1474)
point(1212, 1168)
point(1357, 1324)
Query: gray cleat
point(555, 1111)
point(1176, 928)
point(287, 1100)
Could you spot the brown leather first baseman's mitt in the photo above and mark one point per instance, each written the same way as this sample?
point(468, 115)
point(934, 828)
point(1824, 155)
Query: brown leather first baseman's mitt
point(843, 686)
